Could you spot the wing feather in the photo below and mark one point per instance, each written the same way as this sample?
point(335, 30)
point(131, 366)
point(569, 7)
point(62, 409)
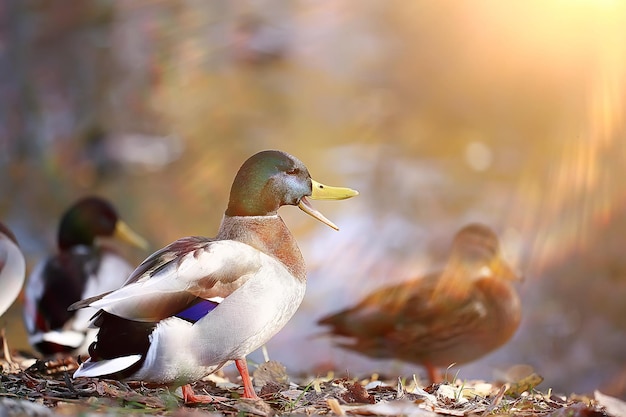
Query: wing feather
point(171, 279)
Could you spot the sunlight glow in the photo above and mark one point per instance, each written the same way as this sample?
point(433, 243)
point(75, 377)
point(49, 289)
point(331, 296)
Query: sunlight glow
point(584, 192)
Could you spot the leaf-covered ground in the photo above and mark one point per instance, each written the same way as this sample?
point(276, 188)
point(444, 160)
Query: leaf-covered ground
point(36, 388)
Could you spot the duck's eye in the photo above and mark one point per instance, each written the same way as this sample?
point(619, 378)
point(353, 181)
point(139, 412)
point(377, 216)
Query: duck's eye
point(293, 171)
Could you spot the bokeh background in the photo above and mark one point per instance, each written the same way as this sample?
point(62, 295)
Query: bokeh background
point(439, 113)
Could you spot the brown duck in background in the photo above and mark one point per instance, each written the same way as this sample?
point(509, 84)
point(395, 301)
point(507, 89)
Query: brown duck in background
point(453, 316)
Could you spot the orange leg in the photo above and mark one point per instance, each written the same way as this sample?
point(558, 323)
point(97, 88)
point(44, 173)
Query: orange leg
point(191, 398)
point(433, 374)
point(5, 347)
point(248, 389)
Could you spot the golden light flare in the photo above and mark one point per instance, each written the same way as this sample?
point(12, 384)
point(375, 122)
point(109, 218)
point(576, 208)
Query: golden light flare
point(555, 30)
point(582, 191)
point(569, 55)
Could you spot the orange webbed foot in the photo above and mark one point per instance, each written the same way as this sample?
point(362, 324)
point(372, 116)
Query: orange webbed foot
point(191, 397)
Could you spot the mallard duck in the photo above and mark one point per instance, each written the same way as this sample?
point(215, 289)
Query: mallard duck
point(12, 268)
point(200, 302)
point(453, 316)
point(82, 267)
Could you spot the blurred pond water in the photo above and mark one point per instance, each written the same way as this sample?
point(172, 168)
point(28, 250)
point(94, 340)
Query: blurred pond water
point(440, 114)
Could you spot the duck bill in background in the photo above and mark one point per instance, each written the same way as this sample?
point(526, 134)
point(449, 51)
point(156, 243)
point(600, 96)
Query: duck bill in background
point(124, 233)
point(506, 272)
point(324, 192)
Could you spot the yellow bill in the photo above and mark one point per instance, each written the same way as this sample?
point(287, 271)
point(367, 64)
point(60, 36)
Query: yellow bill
point(124, 233)
point(325, 192)
point(503, 270)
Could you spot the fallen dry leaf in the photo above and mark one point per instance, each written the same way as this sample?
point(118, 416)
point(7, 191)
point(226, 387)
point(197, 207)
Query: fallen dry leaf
point(57, 394)
point(271, 371)
point(334, 406)
point(356, 393)
point(391, 408)
point(577, 410)
point(613, 406)
point(526, 384)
